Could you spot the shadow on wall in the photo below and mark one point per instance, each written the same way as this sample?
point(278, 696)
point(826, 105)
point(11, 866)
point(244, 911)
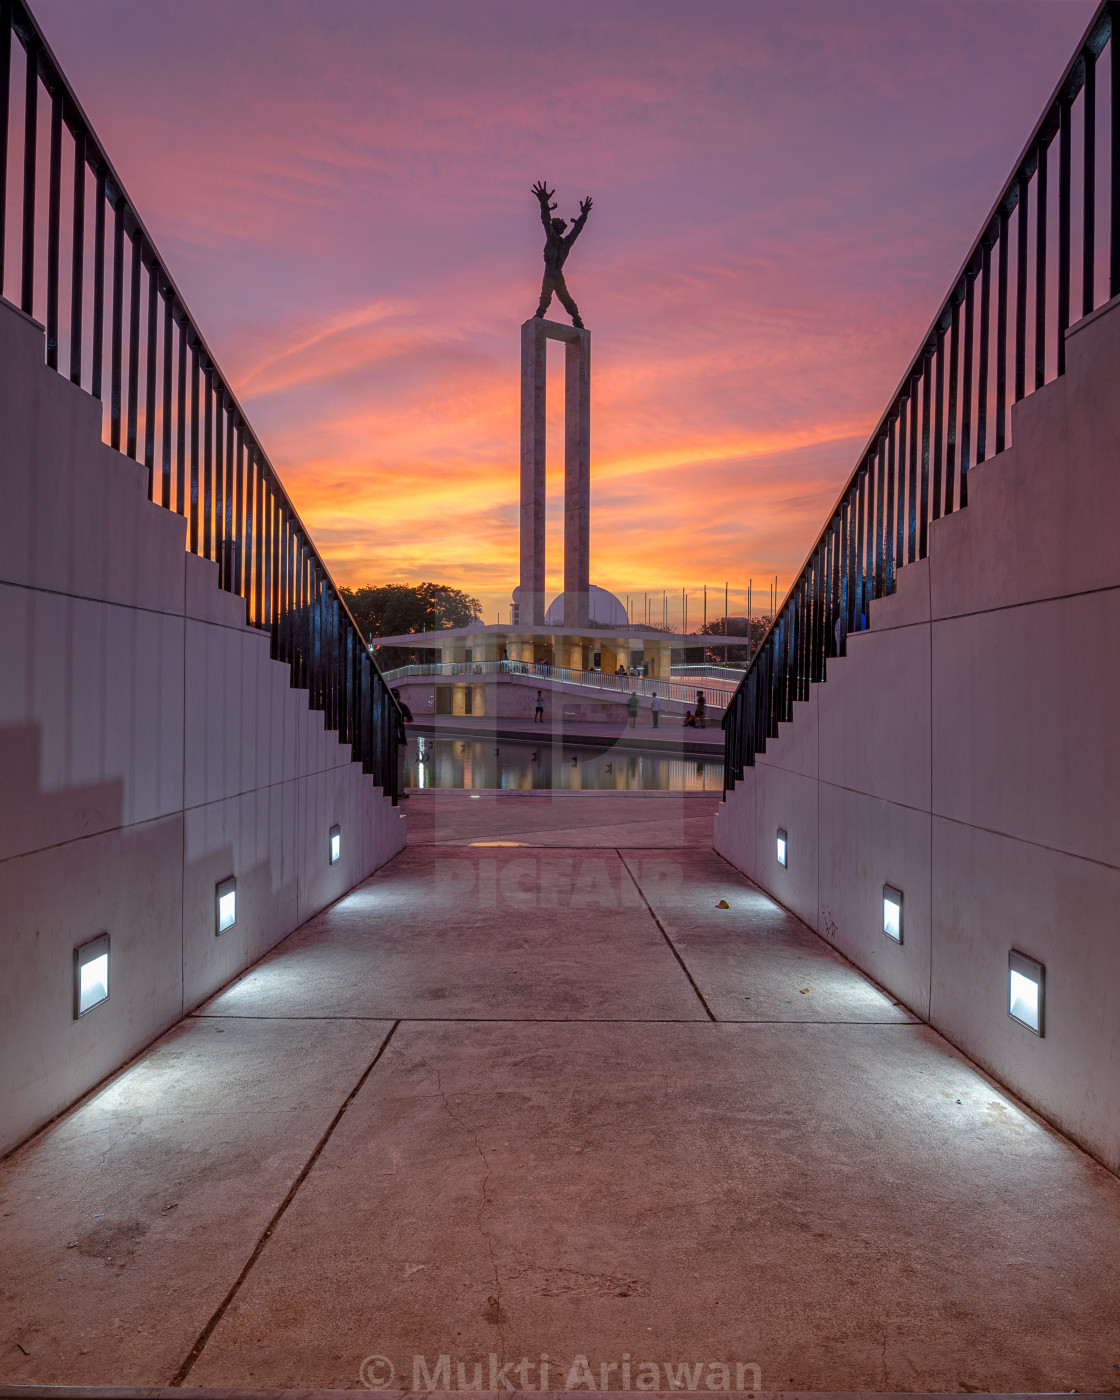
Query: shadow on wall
point(133, 883)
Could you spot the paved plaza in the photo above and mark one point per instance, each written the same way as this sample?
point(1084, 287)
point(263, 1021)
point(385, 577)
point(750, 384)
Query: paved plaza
point(530, 1108)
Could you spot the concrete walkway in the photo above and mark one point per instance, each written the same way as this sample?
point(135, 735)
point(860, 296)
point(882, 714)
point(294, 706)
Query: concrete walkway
point(552, 1105)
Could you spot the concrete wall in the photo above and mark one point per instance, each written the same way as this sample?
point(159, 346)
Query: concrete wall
point(148, 749)
point(967, 751)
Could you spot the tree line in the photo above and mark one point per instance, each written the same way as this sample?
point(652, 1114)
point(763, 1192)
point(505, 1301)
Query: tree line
point(389, 609)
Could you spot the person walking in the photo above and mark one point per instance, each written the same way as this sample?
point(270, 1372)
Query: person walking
point(701, 708)
point(655, 710)
point(632, 706)
point(403, 718)
point(538, 713)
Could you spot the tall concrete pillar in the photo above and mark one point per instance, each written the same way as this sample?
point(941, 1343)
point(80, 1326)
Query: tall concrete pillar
point(577, 471)
point(577, 480)
point(533, 367)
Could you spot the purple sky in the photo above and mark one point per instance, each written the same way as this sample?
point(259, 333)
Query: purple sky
point(782, 194)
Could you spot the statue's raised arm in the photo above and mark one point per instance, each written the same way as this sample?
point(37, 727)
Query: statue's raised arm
point(578, 223)
point(556, 250)
point(544, 194)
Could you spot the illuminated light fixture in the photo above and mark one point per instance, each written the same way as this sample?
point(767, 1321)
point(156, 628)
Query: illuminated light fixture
point(226, 902)
point(336, 843)
point(783, 848)
point(91, 974)
point(1026, 992)
point(892, 913)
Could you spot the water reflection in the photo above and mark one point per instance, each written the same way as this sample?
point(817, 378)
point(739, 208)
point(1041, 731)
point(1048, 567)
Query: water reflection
point(510, 764)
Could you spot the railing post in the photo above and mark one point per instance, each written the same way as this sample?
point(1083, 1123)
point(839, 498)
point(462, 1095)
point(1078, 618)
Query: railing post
point(966, 396)
point(117, 332)
point(1021, 242)
point(5, 98)
point(218, 389)
point(54, 216)
point(1040, 222)
point(888, 544)
point(845, 577)
point(248, 529)
point(194, 450)
point(923, 502)
point(136, 261)
point(150, 394)
point(181, 420)
point(1089, 183)
point(951, 411)
point(77, 258)
point(1001, 331)
point(985, 339)
point(938, 422)
point(1114, 184)
point(30, 133)
point(1065, 160)
point(208, 463)
point(98, 281)
point(239, 514)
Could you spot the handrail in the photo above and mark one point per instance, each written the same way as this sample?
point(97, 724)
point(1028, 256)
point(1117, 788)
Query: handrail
point(568, 675)
point(903, 480)
point(237, 513)
point(717, 673)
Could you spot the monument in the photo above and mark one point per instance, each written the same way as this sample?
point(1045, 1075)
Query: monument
point(584, 628)
point(535, 334)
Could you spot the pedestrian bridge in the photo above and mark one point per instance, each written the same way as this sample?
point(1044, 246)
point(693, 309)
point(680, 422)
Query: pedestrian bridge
point(811, 1087)
point(507, 689)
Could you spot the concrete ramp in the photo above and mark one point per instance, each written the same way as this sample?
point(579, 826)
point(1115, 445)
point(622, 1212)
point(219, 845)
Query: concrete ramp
point(150, 748)
point(966, 753)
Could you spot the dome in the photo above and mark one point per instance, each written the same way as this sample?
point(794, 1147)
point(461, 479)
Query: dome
point(604, 610)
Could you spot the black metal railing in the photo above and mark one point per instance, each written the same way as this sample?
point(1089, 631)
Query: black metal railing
point(999, 334)
point(118, 326)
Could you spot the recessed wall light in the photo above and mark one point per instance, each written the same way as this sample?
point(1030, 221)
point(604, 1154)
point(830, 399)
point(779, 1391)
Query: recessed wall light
point(1026, 992)
point(892, 913)
point(226, 905)
point(783, 848)
point(91, 974)
point(336, 843)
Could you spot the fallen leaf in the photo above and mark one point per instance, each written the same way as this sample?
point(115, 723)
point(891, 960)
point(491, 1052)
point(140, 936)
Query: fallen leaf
point(723, 904)
point(804, 991)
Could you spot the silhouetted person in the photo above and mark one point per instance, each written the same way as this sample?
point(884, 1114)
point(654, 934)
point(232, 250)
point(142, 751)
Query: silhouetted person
point(556, 249)
point(402, 741)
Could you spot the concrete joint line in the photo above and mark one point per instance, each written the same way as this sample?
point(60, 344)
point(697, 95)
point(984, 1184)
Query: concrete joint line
point(206, 1333)
point(665, 936)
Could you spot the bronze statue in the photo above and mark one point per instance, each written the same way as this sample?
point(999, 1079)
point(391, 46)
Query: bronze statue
point(556, 251)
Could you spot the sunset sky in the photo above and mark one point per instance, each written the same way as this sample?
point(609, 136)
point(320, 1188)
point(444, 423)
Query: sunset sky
point(783, 191)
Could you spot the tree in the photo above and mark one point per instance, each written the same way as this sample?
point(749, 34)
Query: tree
point(738, 651)
point(392, 608)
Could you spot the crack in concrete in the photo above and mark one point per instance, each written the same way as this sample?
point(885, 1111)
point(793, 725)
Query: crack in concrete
point(470, 1132)
point(207, 1332)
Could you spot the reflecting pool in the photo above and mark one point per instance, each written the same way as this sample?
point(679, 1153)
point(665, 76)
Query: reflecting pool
point(516, 764)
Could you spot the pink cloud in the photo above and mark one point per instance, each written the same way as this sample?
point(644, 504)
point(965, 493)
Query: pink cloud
point(782, 194)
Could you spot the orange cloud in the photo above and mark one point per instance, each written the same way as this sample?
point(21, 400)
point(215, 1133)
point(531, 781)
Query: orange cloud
point(782, 194)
